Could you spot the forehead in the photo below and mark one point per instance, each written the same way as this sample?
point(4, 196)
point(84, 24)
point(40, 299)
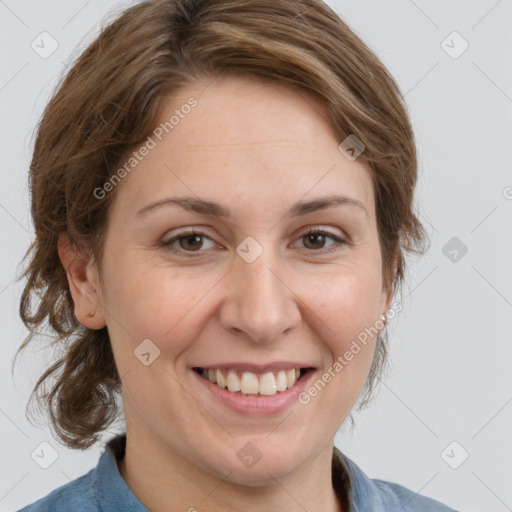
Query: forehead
point(245, 140)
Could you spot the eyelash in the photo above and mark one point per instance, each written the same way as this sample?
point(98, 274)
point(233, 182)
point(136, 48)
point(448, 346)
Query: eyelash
point(167, 245)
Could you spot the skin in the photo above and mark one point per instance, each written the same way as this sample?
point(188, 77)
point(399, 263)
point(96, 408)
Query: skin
point(255, 148)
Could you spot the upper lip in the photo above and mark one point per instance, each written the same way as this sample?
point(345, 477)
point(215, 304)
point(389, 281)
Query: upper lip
point(256, 368)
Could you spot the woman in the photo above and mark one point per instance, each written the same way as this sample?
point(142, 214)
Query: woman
point(222, 197)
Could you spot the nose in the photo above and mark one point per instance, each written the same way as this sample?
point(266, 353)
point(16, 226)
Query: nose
point(260, 302)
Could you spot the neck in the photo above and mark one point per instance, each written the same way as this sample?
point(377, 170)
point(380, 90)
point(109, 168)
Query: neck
point(159, 477)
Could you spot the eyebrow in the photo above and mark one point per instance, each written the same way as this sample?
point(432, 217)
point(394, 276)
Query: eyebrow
point(216, 210)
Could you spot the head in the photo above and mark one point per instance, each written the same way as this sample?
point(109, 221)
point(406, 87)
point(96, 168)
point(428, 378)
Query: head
point(242, 104)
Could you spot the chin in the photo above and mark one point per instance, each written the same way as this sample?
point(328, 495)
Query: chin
point(257, 463)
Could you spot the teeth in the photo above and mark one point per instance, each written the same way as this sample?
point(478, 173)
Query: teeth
point(249, 383)
point(221, 381)
point(281, 381)
point(233, 381)
point(267, 384)
point(290, 377)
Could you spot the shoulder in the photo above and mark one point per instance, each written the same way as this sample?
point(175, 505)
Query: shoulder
point(409, 501)
point(385, 496)
point(76, 495)
point(101, 489)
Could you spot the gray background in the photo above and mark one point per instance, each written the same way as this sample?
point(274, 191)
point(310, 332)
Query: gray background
point(450, 347)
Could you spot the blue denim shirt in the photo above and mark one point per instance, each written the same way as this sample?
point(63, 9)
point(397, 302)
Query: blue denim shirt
point(103, 490)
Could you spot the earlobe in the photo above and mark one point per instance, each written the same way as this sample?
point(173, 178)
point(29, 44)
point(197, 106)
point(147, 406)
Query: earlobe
point(83, 283)
point(385, 305)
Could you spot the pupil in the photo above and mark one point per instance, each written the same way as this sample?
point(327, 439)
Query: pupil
point(311, 238)
point(193, 239)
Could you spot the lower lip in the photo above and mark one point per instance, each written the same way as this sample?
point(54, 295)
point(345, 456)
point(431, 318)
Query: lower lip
point(257, 405)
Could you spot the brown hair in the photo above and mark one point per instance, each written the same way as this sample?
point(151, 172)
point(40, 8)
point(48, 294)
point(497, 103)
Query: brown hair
point(109, 102)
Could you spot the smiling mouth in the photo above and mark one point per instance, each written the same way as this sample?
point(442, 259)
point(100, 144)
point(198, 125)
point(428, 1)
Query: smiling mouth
point(267, 384)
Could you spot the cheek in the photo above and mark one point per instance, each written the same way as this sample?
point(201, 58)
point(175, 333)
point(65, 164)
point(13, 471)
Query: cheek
point(345, 314)
point(159, 303)
point(348, 304)
point(170, 305)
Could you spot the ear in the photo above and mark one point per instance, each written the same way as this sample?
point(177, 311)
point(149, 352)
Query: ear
point(83, 280)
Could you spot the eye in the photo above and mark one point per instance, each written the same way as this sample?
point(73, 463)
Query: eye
point(190, 241)
point(315, 237)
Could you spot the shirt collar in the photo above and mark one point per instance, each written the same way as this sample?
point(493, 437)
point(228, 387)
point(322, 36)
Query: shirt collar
point(113, 492)
point(364, 492)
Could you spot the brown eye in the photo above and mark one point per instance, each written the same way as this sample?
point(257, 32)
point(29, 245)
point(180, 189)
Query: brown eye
point(193, 241)
point(315, 239)
point(189, 242)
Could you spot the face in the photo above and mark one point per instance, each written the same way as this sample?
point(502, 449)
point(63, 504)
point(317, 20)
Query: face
point(267, 287)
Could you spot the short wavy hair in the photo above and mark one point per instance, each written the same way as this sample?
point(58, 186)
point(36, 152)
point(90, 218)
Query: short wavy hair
point(109, 102)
